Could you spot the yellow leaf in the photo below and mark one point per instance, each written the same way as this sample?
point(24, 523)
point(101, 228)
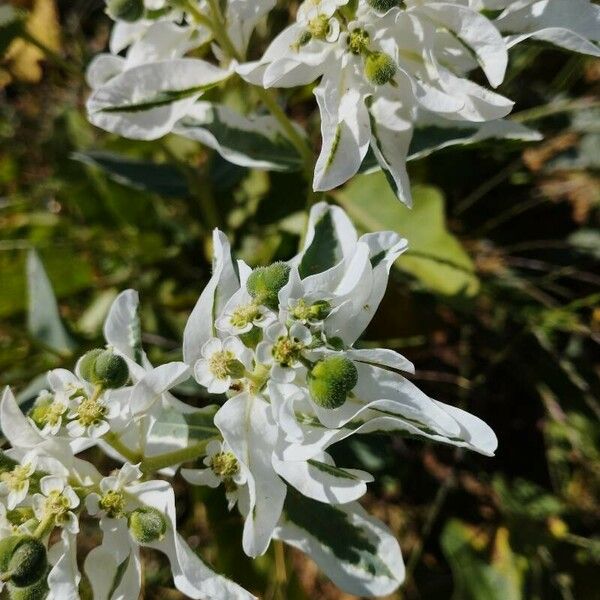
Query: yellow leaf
point(23, 58)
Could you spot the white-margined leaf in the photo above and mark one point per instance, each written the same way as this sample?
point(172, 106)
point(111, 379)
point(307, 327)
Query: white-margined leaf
point(146, 101)
point(356, 551)
point(255, 142)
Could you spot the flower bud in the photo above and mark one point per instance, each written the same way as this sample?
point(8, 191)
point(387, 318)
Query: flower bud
point(125, 10)
point(331, 380)
point(104, 368)
point(383, 6)
point(264, 283)
point(23, 560)
point(379, 68)
point(147, 525)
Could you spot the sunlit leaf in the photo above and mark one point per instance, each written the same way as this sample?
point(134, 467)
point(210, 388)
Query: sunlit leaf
point(434, 255)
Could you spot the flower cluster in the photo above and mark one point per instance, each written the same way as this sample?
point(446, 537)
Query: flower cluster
point(384, 67)
point(275, 346)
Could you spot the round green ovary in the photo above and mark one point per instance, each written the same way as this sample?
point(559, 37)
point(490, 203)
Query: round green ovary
point(331, 380)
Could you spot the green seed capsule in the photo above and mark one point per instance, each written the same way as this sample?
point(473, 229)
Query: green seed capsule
point(147, 525)
point(264, 283)
point(125, 10)
point(37, 591)
point(331, 380)
point(87, 364)
point(111, 370)
point(104, 368)
point(379, 68)
point(23, 560)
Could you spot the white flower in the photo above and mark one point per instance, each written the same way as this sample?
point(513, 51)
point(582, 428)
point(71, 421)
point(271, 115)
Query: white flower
point(14, 484)
point(283, 349)
point(120, 547)
point(48, 412)
point(90, 415)
point(55, 503)
point(222, 363)
point(112, 501)
point(242, 313)
point(222, 467)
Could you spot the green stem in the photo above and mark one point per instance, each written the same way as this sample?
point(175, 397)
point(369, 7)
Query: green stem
point(113, 440)
point(51, 55)
point(168, 459)
point(267, 97)
point(46, 525)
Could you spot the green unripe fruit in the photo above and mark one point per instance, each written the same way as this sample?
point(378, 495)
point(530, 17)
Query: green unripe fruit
point(104, 368)
point(125, 10)
point(331, 380)
point(264, 283)
point(383, 6)
point(37, 591)
point(147, 525)
point(23, 560)
point(111, 370)
point(379, 68)
point(88, 362)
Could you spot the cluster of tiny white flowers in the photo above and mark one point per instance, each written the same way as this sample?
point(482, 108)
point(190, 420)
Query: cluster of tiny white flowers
point(385, 66)
point(275, 348)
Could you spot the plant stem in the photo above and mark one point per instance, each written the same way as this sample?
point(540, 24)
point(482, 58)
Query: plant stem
point(540, 112)
point(113, 440)
point(266, 96)
point(51, 54)
point(46, 525)
point(168, 459)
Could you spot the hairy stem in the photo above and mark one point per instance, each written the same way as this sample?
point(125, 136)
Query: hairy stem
point(114, 441)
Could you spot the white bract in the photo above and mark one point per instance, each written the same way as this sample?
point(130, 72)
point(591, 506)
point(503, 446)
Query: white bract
point(383, 67)
point(276, 346)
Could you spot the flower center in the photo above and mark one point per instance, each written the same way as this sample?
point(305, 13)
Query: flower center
point(301, 310)
point(244, 315)
point(113, 502)
point(17, 478)
point(358, 41)
point(224, 364)
point(286, 351)
point(318, 27)
point(224, 465)
point(56, 504)
point(90, 412)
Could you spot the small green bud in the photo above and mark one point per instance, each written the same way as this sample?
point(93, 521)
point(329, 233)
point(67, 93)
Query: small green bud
point(379, 68)
point(105, 368)
point(125, 10)
point(147, 525)
point(383, 6)
point(264, 283)
point(37, 591)
point(331, 380)
point(23, 560)
point(88, 362)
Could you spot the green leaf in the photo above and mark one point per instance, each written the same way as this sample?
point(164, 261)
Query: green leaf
point(434, 255)
point(474, 577)
point(354, 549)
point(248, 142)
point(440, 133)
point(44, 322)
point(162, 179)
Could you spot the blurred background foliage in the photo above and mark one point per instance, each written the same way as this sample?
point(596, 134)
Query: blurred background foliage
point(497, 302)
